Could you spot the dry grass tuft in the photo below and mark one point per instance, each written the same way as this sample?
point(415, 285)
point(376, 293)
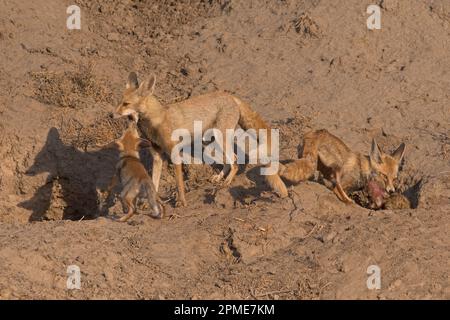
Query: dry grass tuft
point(71, 89)
point(102, 131)
point(306, 26)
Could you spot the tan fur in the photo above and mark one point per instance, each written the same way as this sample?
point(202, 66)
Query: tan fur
point(349, 170)
point(218, 110)
point(132, 175)
point(397, 201)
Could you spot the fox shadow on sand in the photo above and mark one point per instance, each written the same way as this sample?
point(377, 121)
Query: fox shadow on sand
point(70, 191)
point(77, 175)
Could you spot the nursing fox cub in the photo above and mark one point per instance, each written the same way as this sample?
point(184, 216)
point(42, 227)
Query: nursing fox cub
point(132, 175)
point(217, 110)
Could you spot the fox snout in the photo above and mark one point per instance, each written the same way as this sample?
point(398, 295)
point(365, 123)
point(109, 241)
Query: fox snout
point(131, 114)
point(390, 187)
point(115, 115)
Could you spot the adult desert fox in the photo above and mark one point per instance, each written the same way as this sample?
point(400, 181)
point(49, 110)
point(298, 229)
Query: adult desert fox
point(217, 110)
point(348, 169)
point(132, 175)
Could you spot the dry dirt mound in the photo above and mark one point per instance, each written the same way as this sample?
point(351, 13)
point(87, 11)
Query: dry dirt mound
point(303, 65)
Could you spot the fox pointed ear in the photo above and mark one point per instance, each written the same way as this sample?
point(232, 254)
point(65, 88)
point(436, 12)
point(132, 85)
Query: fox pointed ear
point(144, 143)
point(152, 83)
point(375, 153)
point(398, 154)
point(147, 87)
point(132, 81)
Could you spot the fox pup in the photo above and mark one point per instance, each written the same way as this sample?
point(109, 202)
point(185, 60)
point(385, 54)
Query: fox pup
point(132, 175)
point(218, 110)
point(348, 170)
point(381, 200)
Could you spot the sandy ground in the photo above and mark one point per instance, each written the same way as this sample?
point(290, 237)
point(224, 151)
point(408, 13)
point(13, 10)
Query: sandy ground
point(303, 65)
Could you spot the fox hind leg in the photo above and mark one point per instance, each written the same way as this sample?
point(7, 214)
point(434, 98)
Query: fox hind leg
point(229, 119)
point(233, 170)
point(128, 201)
point(128, 197)
point(229, 170)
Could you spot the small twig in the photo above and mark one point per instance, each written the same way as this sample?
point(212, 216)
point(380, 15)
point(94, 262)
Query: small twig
point(312, 230)
point(254, 226)
point(273, 292)
point(166, 201)
point(174, 216)
point(323, 287)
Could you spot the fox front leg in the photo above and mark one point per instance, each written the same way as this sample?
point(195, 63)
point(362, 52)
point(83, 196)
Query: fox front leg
point(339, 190)
point(130, 209)
point(156, 168)
point(129, 198)
point(180, 185)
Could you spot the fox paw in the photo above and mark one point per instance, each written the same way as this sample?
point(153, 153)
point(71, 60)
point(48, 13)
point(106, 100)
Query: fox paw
point(125, 218)
point(348, 201)
point(102, 195)
point(216, 178)
point(181, 203)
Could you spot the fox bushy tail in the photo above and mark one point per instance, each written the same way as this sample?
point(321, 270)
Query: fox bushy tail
point(250, 119)
point(152, 198)
point(302, 169)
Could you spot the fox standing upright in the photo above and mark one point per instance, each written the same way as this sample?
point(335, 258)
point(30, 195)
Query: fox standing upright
point(217, 110)
point(132, 175)
point(349, 170)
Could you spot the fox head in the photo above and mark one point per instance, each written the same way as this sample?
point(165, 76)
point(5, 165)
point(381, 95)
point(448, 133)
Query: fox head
point(385, 165)
point(134, 96)
point(129, 143)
